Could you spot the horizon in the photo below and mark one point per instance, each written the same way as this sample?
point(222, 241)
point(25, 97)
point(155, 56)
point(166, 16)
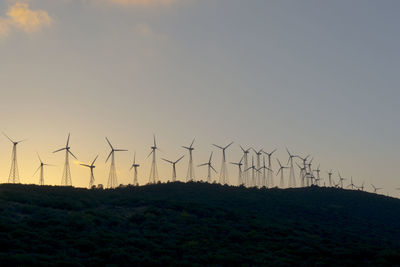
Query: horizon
point(317, 78)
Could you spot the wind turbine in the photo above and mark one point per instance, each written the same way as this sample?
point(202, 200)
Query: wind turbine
point(245, 175)
point(376, 189)
point(210, 167)
point(258, 166)
point(351, 183)
point(270, 173)
point(303, 174)
point(223, 176)
point(361, 187)
point(41, 166)
point(13, 177)
point(190, 171)
point(91, 167)
point(303, 170)
point(264, 167)
point(173, 167)
point(330, 173)
point(281, 168)
point(134, 167)
point(153, 178)
point(240, 173)
point(112, 177)
point(253, 169)
point(317, 170)
point(341, 179)
point(66, 177)
point(292, 177)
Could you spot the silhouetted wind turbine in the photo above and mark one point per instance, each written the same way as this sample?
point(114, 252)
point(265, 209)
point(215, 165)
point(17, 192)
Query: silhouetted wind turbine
point(330, 173)
point(66, 177)
point(281, 168)
point(223, 176)
point(13, 177)
point(341, 179)
point(303, 174)
point(317, 170)
point(351, 183)
point(292, 177)
point(376, 189)
point(210, 167)
point(245, 175)
point(112, 177)
point(135, 172)
point(41, 166)
point(190, 171)
point(264, 178)
point(153, 178)
point(253, 170)
point(270, 173)
point(240, 175)
point(173, 167)
point(258, 162)
point(91, 167)
point(361, 187)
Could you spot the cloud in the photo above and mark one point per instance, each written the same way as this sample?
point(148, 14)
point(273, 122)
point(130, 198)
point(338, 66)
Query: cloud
point(143, 3)
point(21, 17)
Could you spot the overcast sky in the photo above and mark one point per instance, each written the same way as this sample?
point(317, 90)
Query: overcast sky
point(318, 77)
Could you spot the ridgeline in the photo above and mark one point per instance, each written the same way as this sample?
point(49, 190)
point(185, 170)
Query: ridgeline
point(196, 224)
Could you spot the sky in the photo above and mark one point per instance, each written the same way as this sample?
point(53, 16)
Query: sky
point(317, 77)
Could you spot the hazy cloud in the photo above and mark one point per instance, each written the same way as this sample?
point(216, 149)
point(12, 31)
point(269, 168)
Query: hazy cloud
point(19, 16)
point(142, 2)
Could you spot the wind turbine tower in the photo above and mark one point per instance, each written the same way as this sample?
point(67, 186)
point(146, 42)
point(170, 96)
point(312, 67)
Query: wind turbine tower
point(240, 173)
point(223, 176)
point(66, 176)
point(292, 177)
point(112, 177)
point(270, 174)
point(91, 166)
point(13, 177)
point(210, 167)
point(264, 177)
point(173, 167)
point(41, 167)
point(330, 173)
point(318, 177)
point(253, 170)
point(135, 166)
point(245, 175)
point(258, 166)
point(281, 168)
point(153, 178)
point(190, 172)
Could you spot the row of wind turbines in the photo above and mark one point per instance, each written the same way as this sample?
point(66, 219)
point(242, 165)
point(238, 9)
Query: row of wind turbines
point(258, 174)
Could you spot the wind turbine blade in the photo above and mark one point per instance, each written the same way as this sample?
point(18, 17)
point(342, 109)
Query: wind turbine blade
point(109, 155)
point(119, 150)
point(228, 145)
point(192, 142)
point(242, 149)
point(218, 146)
point(209, 161)
point(154, 138)
point(248, 169)
point(279, 163)
point(179, 159)
point(273, 151)
point(134, 158)
point(36, 171)
point(185, 147)
point(150, 154)
point(68, 139)
point(61, 149)
point(95, 159)
point(23, 140)
point(85, 165)
point(213, 168)
point(8, 138)
point(108, 141)
point(204, 164)
point(279, 170)
point(39, 157)
point(72, 154)
point(167, 160)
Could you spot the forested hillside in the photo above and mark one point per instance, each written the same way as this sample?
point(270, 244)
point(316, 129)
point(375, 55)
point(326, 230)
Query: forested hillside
point(196, 224)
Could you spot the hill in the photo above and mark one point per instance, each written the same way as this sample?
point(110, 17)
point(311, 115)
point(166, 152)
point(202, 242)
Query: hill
point(196, 224)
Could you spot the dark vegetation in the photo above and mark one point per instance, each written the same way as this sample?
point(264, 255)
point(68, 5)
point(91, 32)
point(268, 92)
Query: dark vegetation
point(196, 224)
